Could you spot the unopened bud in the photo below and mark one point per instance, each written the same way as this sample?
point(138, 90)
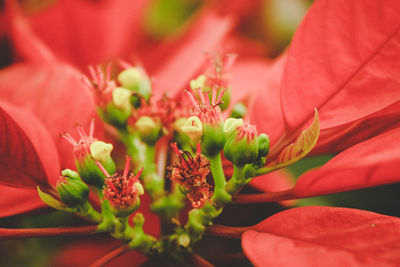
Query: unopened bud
point(239, 110)
point(121, 98)
point(71, 190)
point(231, 125)
point(263, 145)
point(242, 146)
point(197, 83)
point(100, 150)
point(193, 128)
point(136, 80)
point(184, 240)
point(149, 130)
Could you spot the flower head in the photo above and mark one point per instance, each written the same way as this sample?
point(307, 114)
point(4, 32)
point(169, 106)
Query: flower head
point(191, 173)
point(101, 85)
point(122, 189)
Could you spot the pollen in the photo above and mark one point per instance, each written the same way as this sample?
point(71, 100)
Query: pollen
point(122, 189)
point(191, 174)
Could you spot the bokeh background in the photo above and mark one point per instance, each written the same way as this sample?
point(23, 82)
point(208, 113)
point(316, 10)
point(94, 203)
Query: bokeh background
point(266, 26)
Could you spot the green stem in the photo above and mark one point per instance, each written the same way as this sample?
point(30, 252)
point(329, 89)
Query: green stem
point(220, 196)
point(153, 183)
point(237, 181)
point(86, 210)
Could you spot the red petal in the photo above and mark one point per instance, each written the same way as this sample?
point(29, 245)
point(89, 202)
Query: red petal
point(54, 93)
point(265, 108)
point(337, 139)
point(27, 44)
point(182, 65)
point(322, 236)
point(343, 61)
point(370, 163)
point(89, 32)
point(21, 166)
point(273, 182)
point(17, 200)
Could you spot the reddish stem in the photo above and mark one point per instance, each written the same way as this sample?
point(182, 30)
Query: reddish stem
point(111, 255)
point(265, 197)
point(46, 232)
point(226, 231)
point(199, 261)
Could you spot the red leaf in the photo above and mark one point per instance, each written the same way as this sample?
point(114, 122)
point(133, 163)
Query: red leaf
point(89, 32)
point(343, 61)
point(322, 236)
point(370, 163)
point(18, 200)
point(26, 43)
point(337, 139)
point(280, 180)
point(182, 65)
point(20, 165)
point(265, 108)
point(55, 94)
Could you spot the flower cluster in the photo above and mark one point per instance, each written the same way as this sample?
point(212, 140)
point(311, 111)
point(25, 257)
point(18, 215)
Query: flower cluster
point(308, 102)
point(191, 174)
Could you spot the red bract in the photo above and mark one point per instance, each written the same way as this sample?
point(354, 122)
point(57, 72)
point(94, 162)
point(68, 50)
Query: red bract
point(345, 67)
point(43, 105)
point(322, 236)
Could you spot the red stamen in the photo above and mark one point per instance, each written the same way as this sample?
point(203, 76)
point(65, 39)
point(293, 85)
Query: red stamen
point(103, 170)
point(202, 100)
point(69, 138)
point(191, 97)
point(91, 129)
point(111, 185)
point(127, 165)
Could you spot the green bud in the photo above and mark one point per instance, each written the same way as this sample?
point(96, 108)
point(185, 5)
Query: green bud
point(239, 110)
point(263, 145)
point(149, 130)
point(193, 128)
point(197, 83)
point(72, 191)
point(137, 81)
point(87, 168)
point(213, 139)
point(242, 146)
point(121, 98)
point(231, 125)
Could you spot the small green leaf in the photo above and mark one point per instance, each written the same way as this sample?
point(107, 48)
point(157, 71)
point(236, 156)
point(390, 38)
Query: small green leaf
point(297, 150)
point(52, 202)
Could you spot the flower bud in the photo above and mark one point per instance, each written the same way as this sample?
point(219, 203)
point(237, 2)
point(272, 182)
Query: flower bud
point(149, 130)
point(121, 98)
point(135, 79)
point(242, 146)
point(88, 150)
point(231, 125)
point(193, 128)
point(198, 83)
point(263, 145)
point(122, 190)
point(71, 190)
point(213, 139)
point(239, 110)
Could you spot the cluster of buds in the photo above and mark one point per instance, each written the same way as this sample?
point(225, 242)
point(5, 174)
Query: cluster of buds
point(242, 145)
point(116, 99)
point(122, 190)
point(87, 150)
point(71, 190)
point(206, 122)
point(191, 174)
